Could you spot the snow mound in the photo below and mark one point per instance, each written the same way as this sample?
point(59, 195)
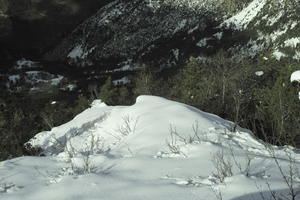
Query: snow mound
point(295, 76)
point(144, 126)
point(155, 149)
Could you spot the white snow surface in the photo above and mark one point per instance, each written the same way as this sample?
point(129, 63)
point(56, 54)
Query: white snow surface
point(295, 76)
point(242, 19)
point(278, 54)
point(292, 42)
point(129, 159)
point(24, 63)
point(123, 81)
point(259, 73)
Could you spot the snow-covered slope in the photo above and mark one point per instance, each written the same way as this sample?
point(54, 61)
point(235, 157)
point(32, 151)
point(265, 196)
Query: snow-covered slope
point(155, 149)
point(170, 32)
point(274, 26)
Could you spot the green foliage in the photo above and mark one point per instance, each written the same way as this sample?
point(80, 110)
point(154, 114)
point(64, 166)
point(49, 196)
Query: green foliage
point(232, 6)
point(279, 110)
point(267, 104)
point(23, 115)
point(125, 97)
point(82, 103)
point(2, 120)
point(146, 83)
point(194, 87)
point(108, 92)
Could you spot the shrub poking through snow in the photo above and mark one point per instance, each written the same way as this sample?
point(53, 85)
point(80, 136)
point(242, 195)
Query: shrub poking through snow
point(128, 125)
point(290, 177)
point(82, 162)
point(172, 143)
point(223, 166)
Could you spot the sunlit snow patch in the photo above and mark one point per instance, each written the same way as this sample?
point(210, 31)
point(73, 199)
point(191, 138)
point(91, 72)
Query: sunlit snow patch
point(295, 76)
point(24, 63)
point(242, 19)
point(259, 73)
point(292, 42)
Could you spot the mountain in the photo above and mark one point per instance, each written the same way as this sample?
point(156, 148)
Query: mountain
point(31, 27)
point(154, 149)
point(168, 33)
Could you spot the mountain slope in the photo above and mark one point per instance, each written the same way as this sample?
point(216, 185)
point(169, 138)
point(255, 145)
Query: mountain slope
point(31, 27)
point(169, 32)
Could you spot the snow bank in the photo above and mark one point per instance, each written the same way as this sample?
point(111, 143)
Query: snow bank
point(155, 149)
point(147, 114)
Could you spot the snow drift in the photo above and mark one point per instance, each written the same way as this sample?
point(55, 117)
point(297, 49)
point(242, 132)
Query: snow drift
point(154, 149)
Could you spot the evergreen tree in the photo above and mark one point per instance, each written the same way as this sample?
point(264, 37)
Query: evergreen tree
point(108, 92)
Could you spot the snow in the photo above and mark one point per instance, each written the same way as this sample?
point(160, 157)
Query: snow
point(78, 52)
point(123, 81)
point(203, 42)
point(294, 24)
point(273, 20)
point(295, 76)
point(23, 63)
point(176, 53)
point(292, 42)
point(278, 54)
point(180, 26)
point(14, 78)
point(242, 19)
point(34, 80)
point(34, 77)
point(297, 55)
point(274, 35)
point(193, 29)
point(124, 68)
point(259, 73)
point(218, 35)
point(71, 87)
point(155, 149)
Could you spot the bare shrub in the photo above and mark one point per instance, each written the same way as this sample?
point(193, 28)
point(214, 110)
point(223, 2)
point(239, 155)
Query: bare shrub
point(243, 169)
point(217, 192)
point(289, 177)
point(172, 143)
point(48, 120)
point(223, 166)
point(197, 134)
point(128, 125)
point(86, 166)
